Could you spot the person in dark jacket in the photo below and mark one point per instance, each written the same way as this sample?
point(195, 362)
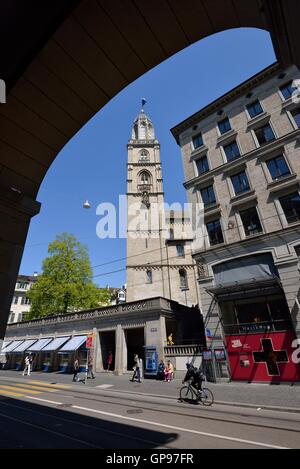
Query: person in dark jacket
point(194, 375)
point(160, 371)
point(109, 360)
point(76, 368)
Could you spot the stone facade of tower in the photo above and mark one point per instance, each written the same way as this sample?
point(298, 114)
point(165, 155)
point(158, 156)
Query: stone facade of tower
point(158, 262)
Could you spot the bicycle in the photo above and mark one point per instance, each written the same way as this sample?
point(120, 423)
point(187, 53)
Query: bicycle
point(192, 395)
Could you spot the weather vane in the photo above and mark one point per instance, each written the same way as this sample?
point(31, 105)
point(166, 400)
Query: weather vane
point(143, 102)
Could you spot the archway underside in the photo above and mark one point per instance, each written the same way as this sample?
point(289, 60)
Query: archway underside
point(63, 61)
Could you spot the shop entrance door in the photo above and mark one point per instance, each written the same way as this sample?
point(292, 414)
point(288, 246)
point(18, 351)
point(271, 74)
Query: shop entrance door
point(135, 342)
point(108, 344)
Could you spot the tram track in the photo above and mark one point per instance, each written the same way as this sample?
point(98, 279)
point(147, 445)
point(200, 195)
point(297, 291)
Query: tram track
point(66, 435)
point(89, 394)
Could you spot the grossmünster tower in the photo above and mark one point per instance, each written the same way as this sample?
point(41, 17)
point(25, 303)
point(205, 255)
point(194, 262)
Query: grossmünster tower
point(158, 263)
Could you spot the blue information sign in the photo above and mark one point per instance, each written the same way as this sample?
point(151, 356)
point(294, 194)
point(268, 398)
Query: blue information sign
point(151, 360)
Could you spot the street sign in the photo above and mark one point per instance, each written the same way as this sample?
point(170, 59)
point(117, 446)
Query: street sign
point(89, 341)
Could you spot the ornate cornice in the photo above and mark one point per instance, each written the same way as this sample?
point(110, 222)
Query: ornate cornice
point(256, 80)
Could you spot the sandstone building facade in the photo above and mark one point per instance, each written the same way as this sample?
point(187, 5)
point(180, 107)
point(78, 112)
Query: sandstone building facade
point(241, 158)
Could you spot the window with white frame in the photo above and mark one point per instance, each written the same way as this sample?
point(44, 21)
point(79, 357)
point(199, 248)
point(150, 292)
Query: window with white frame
point(254, 109)
point(265, 134)
point(240, 183)
point(291, 206)
point(287, 90)
point(278, 167)
point(197, 141)
point(224, 126)
point(11, 317)
point(25, 300)
point(214, 231)
point(208, 195)
point(202, 165)
point(231, 151)
point(251, 221)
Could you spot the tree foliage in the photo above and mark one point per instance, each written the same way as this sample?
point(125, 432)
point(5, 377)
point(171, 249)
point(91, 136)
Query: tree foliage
point(65, 284)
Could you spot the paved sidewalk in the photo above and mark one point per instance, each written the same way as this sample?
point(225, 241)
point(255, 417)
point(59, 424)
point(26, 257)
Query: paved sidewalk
point(260, 395)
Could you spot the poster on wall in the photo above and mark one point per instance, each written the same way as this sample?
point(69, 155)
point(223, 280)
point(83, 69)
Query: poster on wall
point(207, 355)
point(220, 354)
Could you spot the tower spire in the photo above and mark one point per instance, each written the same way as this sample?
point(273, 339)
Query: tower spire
point(142, 127)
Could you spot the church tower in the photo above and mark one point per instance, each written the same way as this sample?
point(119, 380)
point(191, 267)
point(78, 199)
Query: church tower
point(145, 241)
point(159, 264)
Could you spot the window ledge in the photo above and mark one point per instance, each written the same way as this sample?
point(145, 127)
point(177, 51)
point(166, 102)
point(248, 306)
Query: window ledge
point(199, 152)
point(290, 103)
point(243, 198)
point(212, 208)
point(254, 235)
point(258, 120)
point(283, 183)
point(226, 137)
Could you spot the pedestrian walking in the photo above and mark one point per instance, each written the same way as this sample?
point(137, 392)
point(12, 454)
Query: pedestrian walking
point(27, 367)
point(109, 360)
point(76, 368)
point(90, 369)
point(137, 368)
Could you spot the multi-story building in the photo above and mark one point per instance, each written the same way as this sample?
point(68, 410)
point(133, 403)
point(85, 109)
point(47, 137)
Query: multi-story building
point(241, 158)
point(159, 261)
point(21, 304)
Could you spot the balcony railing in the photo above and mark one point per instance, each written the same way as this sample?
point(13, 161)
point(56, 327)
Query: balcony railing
point(182, 350)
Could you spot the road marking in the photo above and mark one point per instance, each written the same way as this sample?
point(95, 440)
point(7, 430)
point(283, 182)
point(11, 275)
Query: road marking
point(59, 386)
point(8, 393)
point(35, 387)
point(210, 435)
point(43, 400)
point(21, 389)
point(105, 386)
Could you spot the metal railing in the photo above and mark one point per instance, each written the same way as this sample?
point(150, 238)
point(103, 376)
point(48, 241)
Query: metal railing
point(182, 350)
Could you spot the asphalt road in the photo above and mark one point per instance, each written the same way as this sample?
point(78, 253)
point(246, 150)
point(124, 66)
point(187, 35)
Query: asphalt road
point(37, 414)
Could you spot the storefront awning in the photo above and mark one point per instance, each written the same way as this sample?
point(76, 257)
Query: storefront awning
point(5, 344)
point(12, 346)
point(55, 344)
point(39, 345)
point(24, 346)
point(250, 287)
point(73, 344)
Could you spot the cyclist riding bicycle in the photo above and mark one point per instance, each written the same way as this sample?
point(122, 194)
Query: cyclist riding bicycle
point(195, 375)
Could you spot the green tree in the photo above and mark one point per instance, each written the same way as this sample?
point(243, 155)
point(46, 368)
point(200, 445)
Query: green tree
point(65, 284)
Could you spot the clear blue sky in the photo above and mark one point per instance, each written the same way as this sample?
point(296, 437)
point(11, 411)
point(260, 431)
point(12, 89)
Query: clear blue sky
point(93, 164)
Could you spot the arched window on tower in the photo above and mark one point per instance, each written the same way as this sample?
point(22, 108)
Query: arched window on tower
point(145, 178)
point(149, 276)
point(144, 155)
point(143, 131)
point(183, 279)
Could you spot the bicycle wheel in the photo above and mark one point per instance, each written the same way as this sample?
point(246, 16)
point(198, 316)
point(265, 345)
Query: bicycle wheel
point(186, 394)
point(207, 397)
